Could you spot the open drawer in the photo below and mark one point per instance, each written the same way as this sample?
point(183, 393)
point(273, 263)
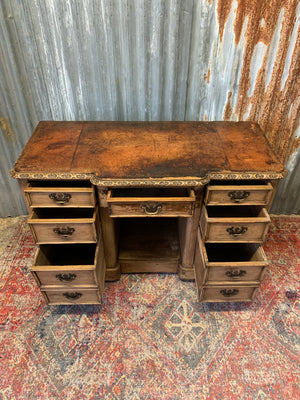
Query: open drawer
point(229, 262)
point(238, 193)
point(234, 224)
point(151, 202)
point(72, 264)
point(78, 225)
point(60, 194)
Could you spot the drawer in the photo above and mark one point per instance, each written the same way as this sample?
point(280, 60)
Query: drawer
point(227, 293)
point(71, 264)
point(74, 295)
point(238, 194)
point(60, 194)
point(229, 262)
point(234, 224)
point(64, 225)
point(151, 202)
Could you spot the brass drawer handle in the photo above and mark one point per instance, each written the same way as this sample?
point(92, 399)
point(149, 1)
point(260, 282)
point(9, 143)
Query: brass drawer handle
point(151, 208)
point(229, 292)
point(66, 277)
point(60, 198)
point(65, 231)
point(235, 273)
point(237, 196)
point(236, 231)
point(72, 295)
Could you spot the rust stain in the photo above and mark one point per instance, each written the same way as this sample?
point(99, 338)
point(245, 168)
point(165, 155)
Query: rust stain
point(275, 109)
point(7, 129)
point(207, 76)
point(228, 108)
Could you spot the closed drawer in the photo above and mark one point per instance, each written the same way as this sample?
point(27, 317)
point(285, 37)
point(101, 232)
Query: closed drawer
point(53, 194)
point(64, 225)
point(72, 264)
point(227, 293)
point(238, 194)
point(74, 295)
point(234, 224)
point(229, 262)
point(151, 202)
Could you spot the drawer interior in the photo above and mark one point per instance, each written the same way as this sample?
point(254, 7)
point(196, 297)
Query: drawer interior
point(149, 192)
point(235, 212)
point(68, 254)
point(234, 252)
point(149, 239)
point(59, 183)
point(65, 213)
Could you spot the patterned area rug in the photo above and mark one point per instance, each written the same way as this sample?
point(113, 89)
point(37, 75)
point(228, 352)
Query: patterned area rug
point(150, 339)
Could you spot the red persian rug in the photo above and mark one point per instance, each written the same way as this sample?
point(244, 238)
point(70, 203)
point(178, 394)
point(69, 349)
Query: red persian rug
point(150, 339)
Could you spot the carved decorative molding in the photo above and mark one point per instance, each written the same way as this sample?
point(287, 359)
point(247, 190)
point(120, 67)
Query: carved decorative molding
point(151, 182)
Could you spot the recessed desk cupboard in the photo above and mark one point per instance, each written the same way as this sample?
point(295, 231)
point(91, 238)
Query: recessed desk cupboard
point(107, 198)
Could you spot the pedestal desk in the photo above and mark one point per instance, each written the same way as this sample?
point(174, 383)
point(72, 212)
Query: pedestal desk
point(106, 198)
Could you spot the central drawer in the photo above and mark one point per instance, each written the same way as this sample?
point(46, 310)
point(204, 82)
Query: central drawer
point(234, 224)
point(70, 225)
point(151, 202)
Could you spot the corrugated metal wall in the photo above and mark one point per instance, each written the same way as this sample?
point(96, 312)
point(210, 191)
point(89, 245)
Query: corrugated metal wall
point(149, 60)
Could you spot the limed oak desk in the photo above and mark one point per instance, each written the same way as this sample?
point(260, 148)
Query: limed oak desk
point(106, 198)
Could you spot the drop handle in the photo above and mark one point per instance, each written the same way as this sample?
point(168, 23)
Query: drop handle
point(229, 292)
point(151, 208)
point(60, 197)
point(238, 196)
point(72, 295)
point(235, 273)
point(66, 277)
point(236, 231)
point(64, 231)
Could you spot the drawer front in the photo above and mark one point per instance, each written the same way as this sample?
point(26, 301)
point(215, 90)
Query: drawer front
point(64, 277)
point(238, 194)
point(151, 209)
point(227, 293)
point(62, 232)
point(151, 206)
point(60, 197)
point(241, 273)
point(236, 232)
point(72, 295)
point(248, 267)
point(239, 230)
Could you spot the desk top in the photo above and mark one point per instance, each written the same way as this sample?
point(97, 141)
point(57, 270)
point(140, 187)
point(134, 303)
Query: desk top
point(147, 153)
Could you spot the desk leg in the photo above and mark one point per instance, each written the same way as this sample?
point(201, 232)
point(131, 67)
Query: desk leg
point(188, 228)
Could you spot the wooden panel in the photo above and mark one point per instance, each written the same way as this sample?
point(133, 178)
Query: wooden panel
point(142, 267)
point(238, 194)
point(217, 227)
point(63, 197)
point(51, 147)
point(74, 295)
point(130, 150)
